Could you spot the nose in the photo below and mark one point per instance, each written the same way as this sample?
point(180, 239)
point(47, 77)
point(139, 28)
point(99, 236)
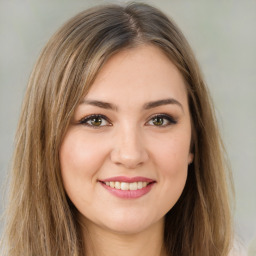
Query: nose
point(129, 149)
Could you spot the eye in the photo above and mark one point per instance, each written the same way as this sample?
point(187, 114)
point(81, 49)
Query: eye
point(95, 121)
point(161, 120)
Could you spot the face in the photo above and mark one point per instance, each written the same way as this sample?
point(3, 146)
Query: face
point(125, 156)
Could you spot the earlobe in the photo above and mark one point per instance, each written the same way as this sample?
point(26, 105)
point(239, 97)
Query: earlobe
point(190, 158)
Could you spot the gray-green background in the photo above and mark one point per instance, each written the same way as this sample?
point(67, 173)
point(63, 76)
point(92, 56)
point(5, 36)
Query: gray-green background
point(223, 36)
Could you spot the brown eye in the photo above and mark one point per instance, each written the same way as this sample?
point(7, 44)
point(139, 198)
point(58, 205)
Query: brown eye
point(158, 121)
point(95, 121)
point(161, 120)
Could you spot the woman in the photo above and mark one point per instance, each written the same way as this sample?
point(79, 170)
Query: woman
point(118, 150)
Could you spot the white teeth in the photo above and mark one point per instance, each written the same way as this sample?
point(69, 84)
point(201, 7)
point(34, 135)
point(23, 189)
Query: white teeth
point(126, 185)
point(140, 185)
point(117, 185)
point(133, 186)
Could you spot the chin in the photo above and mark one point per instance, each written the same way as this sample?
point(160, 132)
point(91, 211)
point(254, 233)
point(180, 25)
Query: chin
point(131, 224)
point(127, 228)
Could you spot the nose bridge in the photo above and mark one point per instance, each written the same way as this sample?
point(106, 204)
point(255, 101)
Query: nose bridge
point(128, 147)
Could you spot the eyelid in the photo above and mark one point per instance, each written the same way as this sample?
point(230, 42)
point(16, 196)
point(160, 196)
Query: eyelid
point(168, 117)
point(84, 120)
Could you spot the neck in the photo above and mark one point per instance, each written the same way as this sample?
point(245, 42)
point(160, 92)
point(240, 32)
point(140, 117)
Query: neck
point(103, 242)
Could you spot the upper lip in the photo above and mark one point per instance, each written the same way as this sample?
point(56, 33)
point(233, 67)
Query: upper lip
point(128, 179)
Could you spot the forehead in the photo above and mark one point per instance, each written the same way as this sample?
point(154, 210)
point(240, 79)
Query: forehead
point(143, 73)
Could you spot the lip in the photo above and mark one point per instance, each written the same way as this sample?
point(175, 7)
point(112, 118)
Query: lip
point(128, 194)
point(128, 179)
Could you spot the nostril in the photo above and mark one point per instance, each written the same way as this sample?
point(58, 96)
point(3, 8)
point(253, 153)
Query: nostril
point(129, 158)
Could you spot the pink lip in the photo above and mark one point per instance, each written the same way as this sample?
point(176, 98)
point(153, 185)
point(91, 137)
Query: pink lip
point(128, 179)
point(128, 194)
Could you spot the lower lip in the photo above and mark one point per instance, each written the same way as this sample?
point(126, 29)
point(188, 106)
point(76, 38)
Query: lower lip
point(128, 194)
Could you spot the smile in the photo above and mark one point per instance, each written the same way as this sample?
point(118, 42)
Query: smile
point(124, 187)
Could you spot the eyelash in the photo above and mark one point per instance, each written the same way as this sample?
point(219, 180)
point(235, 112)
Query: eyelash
point(170, 120)
point(85, 120)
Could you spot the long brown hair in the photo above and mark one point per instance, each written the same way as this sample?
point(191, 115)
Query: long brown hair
point(40, 218)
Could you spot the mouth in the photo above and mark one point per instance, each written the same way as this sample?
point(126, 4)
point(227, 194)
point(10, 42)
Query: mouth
point(125, 187)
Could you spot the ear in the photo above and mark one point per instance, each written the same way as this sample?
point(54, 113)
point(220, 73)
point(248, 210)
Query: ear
point(190, 158)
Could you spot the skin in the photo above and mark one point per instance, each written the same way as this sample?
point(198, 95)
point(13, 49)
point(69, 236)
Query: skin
point(131, 142)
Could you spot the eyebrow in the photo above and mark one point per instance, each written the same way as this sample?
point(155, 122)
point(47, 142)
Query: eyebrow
point(100, 104)
point(154, 104)
point(149, 105)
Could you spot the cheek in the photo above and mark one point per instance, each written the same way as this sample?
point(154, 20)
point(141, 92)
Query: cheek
point(173, 168)
point(172, 154)
point(76, 154)
point(80, 159)
point(171, 158)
